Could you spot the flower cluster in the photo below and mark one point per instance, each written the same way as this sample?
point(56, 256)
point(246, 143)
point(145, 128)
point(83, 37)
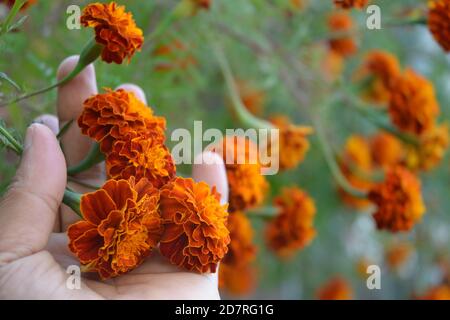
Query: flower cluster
point(348, 4)
point(344, 45)
point(439, 22)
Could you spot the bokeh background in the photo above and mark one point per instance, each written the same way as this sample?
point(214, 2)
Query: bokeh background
point(193, 89)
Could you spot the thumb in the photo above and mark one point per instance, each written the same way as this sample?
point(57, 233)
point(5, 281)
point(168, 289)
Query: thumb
point(29, 208)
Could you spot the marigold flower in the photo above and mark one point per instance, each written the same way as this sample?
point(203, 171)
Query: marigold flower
point(237, 280)
point(386, 150)
point(398, 254)
point(384, 68)
point(356, 166)
point(431, 149)
point(113, 115)
point(120, 228)
point(115, 29)
point(343, 45)
point(173, 55)
point(398, 199)
point(348, 4)
point(335, 289)
point(247, 187)
point(241, 250)
point(292, 229)
point(439, 292)
point(195, 234)
point(202, 4)
point(439, 22)
point(413, 107)
point(293, 142)
point(140, 156)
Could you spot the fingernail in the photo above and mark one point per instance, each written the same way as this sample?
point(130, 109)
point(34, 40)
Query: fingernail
point(29, 136)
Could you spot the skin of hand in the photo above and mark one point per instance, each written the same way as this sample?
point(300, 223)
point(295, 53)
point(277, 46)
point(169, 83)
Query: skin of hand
point(33, 243)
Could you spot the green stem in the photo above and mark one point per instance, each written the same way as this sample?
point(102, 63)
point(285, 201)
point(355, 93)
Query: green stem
point(90, 53)
point(64, 129)
point(262, 212)
point(242, 113)
point(94, 156)
point(72, 200)
point(13, 143)
point(12, 13)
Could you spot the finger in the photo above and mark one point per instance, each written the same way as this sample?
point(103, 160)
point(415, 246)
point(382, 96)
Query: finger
point(49, 121)
point(29, 208)
point(135, 89)
point(209, 167)
point(75, 145)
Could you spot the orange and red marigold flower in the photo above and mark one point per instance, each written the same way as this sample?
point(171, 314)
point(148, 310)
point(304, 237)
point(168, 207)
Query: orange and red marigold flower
point(335, 289)
point(347, 4)
point(115, 30)
point(439, 22)
point(120, 228)
point(293, 228)
point(398, 199)
point(195, 234)
point(293, 142)
point(386, 150)
point(413, 107)
point(343, 45)
point(247, 186)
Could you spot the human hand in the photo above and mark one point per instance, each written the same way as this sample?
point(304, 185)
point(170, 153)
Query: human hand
point(33, 259)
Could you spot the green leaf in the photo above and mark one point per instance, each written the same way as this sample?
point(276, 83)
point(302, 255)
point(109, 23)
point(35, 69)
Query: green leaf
point(5, 77)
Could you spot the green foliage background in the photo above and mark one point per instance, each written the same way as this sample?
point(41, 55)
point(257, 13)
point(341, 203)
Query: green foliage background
point(31, 56)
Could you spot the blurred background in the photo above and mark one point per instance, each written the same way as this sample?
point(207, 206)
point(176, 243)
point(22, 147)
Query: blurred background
point(183, 83)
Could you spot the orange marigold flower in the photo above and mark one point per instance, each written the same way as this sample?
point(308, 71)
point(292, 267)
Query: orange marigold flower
point(332, 65)
point(195, 234)
point(293, 228)
point(335, 289)
point(173, 55)
point(431, 149)
point(356, 165)
point(115, 29)
point(141, 156)
point(120, 228)
point(413, 106)
point(237, 280)
point(241, 250)
point(343, 45)
point(348, 4)
point(398, 199)
point(439, 292)
point(247, 187)
point(439, 22)
point(113, 115)
point(386, 150)
point(383, 68)
point(398, 254)
point(293, 143)
point(202, 4)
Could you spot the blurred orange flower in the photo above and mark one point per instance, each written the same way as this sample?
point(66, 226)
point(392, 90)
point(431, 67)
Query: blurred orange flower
point(241, 250)
point(237, 280)
point(332, 65)
point(398, 199)
point(335, 289)
point(386, 150)
point(10, 3)
point(174, 55)
point(356, 166)
point(431, 149)
point(115, 29)
point(247, 187)
point(439, 22)
point(141, 155)
point(195, 234)
point(113, 115)
point(121, 226)
point(413, 106)
point(398, 254)
point(343, 45)
point(293, 142)
point(382, 68)
point(252, 98)
point(347, 4)
point(440, 292)
point(292, 229)
point(202, 4)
